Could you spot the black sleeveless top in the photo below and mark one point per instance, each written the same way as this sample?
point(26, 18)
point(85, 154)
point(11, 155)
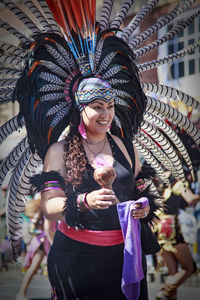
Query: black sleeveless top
point(123, 186)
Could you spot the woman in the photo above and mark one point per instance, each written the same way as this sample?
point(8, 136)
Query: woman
point(175, 251)
point(86, 266)
point(42, 231)
point(73, 47)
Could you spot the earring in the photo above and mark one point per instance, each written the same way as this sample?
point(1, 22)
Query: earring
point(81, 129)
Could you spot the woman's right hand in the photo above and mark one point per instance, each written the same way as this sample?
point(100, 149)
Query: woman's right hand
point(101, 199)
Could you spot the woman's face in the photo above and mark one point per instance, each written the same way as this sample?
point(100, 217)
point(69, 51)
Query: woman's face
point(98, 115)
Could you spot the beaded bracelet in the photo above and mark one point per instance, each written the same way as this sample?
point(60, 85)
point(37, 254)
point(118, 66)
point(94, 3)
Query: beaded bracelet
point(81, 202)
point(85, 201)
point(51, 185)
point(140, 184)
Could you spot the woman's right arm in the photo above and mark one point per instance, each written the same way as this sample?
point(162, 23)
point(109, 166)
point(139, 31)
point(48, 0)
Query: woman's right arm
point(53, 200)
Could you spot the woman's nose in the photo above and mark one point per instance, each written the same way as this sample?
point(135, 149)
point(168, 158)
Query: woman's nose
point(104, 113)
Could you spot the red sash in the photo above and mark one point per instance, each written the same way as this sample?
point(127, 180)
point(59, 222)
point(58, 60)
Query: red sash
point(92, 237)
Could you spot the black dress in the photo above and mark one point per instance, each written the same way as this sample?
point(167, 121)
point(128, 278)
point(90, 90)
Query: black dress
point(82, 271)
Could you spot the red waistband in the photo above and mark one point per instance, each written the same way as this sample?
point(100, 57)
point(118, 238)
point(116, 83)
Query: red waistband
point(92, 237)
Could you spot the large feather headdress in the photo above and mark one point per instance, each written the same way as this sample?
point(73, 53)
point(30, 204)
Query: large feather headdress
point(65, 43)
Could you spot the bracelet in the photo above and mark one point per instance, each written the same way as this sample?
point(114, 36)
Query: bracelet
point(85, 201)
point(47, 181)
point(81, 202)
point(140, 184)
point(51, 185)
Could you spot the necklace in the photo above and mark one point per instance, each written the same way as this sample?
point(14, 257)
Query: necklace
point(95, 154)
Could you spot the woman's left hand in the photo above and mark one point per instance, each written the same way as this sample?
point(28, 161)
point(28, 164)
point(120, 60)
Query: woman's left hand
point(138, 212)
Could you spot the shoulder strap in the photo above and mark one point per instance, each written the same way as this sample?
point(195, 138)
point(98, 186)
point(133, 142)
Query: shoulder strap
point(129, 147)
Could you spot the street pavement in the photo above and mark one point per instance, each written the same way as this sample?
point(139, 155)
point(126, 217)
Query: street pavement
point(39, 288)
point(10, 281)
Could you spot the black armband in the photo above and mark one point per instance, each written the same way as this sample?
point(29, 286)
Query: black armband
point(149, 241)
point(47, 180)
point(154, 203)
point(71, 210)
point(147, 173)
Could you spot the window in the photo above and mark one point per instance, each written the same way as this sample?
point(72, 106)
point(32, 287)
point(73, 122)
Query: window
point(191, 67)
point(190, 64)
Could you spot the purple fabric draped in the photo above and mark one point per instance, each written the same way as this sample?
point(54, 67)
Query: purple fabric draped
point(132, 272)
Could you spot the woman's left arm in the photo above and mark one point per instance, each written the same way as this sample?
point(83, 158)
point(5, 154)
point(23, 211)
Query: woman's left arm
point(137, 162)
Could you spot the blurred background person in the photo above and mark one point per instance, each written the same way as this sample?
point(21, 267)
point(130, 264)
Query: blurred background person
point(38, 234)
point(175, 250)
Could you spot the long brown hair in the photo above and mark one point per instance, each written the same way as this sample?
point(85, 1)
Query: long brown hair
point(74, 153)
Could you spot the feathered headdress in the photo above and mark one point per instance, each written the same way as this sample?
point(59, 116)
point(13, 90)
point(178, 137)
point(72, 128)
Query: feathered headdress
point(62, 44)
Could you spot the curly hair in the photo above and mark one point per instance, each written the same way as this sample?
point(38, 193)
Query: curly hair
point(74, 153)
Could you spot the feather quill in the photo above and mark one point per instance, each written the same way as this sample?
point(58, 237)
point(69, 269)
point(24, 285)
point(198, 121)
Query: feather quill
point(11, 160)
point(157, 152)
point(155, 106)
point(168, 36)
point(117, 21)
point(167, 59)
point(138, 19)
point(23, 17)
point(151, 160)
point(164, 143)
point(9, 127)
point(171, 134)
point(105, 14)
point(179, 8)
point(24, 38)
point(171, 93)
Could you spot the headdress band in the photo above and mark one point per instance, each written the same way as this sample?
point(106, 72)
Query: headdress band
point(91, 89)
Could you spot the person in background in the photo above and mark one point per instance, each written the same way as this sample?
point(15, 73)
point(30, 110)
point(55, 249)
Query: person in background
point(42, 232)
point(175, 251)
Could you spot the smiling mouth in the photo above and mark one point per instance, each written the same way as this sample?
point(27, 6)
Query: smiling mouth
point(103, 122)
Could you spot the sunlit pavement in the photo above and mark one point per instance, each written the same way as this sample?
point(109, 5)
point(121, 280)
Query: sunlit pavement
point(10, 281)
point(39, 288)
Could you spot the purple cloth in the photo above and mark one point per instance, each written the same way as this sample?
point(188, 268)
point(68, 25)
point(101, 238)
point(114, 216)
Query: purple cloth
point(132, 272)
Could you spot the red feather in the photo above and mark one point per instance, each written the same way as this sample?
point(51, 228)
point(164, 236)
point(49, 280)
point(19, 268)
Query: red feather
point(93, 11)
point(69, 15)
point(76, 15)
point(58, 13)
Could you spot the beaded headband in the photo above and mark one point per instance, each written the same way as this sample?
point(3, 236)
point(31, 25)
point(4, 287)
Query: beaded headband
point(91, 89)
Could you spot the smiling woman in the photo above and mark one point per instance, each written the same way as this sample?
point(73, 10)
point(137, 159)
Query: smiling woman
point(79, 74)
point(97, 117)
point(89, 245)
point(99, 113)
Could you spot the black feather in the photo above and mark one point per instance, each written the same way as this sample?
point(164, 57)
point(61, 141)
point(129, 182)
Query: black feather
point(146, 172)
point(38, 180)
point(70, 209)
